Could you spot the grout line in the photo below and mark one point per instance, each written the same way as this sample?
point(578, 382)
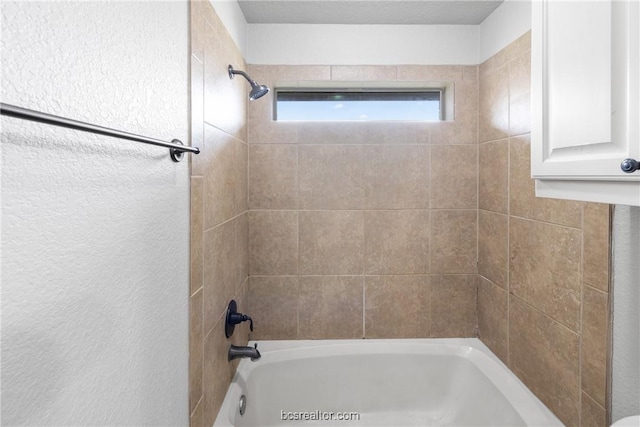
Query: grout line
point(520, 135)
point(248, 176)
point(368, 210)
point(298, 308)
point(223, 222)
point(544, 222)
point(592, 399)
point(366, 275)
point(536, 309)
point(201, 288)
point(495, 141)
point(529, 219)
point(477, 334)
point(495, 213)
point(478, 165)
point(362, 144)
point(591, 288)
point(364, 250)
point(581, 324)
point(609, 330)
point(265, 276)
point(202, 232)
point(202, 353)
point(429, 183)
point(429, 253)
point(508, 284)
point(364, 301)
point(205, 123)
point(200, 401)
point(200, 60)
point(493, 283)
point(508, 266)
point(298, 232)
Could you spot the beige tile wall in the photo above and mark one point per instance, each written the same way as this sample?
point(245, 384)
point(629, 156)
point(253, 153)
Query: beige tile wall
point(375, 230)
point(219, 209)
point(363, 229)
point(543, 263)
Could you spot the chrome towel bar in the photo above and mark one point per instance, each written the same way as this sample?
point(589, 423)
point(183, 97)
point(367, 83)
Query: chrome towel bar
point(176, 148)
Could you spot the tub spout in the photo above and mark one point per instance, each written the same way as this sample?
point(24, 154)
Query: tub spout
point(236, 352)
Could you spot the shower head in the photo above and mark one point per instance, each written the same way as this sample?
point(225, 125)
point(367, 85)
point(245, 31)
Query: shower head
point(257, 90)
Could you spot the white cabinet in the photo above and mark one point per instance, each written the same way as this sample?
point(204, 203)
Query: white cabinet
point(585, 95)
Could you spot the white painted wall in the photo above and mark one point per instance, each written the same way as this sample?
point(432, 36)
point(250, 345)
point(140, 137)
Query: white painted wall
point(305, 44)
point(626, 312)
point(233, 19)
point(95, 229)
point(295, 44)
point(509, 21)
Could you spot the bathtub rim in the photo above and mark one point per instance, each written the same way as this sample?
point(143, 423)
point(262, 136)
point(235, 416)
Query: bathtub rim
point(527, 405)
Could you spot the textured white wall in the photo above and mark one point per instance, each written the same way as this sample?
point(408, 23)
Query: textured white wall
point(626, 313)
point(95, 229)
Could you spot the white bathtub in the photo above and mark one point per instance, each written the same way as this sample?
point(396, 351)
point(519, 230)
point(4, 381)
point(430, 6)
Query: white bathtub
point(416, 382)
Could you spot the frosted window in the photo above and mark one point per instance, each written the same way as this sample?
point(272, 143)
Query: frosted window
point(362, 105)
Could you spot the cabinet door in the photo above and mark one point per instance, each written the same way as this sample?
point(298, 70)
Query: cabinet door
point(585, 89)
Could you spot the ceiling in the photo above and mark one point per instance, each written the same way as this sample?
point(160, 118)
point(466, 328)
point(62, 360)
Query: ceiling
point(399, 12)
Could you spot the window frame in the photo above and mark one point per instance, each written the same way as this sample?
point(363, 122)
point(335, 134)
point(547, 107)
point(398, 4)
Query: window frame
point(352, 90)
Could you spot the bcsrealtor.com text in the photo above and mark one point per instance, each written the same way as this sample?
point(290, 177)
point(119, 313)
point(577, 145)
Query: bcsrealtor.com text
point(319, 416)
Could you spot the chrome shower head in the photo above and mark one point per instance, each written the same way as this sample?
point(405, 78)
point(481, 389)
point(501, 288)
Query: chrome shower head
point(257, 90)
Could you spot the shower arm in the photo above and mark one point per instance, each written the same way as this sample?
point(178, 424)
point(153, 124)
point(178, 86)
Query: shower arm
point(257, 91)
point(242, 73)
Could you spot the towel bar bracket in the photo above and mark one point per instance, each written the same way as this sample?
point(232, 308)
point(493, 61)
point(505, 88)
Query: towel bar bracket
point(176, 155)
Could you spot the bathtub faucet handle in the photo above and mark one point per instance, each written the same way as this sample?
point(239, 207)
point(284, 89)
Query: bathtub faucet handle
point(239, 318)
point(233, 318)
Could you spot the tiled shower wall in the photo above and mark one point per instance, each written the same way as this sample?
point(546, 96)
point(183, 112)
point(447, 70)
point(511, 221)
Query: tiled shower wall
point(544, 264)
point(219, 215)
point(363, 229)
point(355, 230)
